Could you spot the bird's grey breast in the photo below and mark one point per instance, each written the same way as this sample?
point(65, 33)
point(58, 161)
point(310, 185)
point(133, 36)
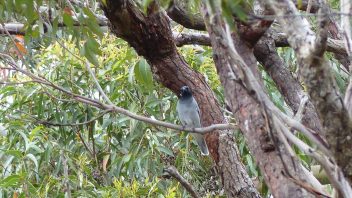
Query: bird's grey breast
point(188, 112)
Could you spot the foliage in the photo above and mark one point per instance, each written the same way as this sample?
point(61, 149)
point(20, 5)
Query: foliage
point(112, 156)
point(120, 153)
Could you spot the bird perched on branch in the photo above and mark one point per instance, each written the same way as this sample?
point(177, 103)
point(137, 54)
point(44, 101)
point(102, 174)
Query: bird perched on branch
point(189, 115)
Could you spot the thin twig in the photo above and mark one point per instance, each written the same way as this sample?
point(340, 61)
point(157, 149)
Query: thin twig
point(56, 98)
point(91, 136)
point(84, 143)
point(326, 164)
point(309, 6)
point(8, 68)
point(171, 170)
point(97, 83)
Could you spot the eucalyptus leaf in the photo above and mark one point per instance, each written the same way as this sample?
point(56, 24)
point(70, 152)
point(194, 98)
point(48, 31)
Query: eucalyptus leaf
point(143, 74)
point(10, 181)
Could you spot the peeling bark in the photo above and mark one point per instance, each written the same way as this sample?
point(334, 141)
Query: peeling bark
point(274, 161)
point(320, 82)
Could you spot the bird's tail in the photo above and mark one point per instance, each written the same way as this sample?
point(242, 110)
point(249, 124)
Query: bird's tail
point(201, 143)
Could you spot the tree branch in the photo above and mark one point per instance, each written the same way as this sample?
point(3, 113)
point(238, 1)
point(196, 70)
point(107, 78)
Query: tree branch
point(246, 97)
point(310, 152)
point(171, 170)
point(320, 83)
point(114, 108)
point(84, 143)
point(346, 6)
point(333, 45)
point(178, 12)
point(244, 76)
point(182, 39)
point(16, 83)
point(97, 83)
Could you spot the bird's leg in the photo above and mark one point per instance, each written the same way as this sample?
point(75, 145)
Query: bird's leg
point(183, 127)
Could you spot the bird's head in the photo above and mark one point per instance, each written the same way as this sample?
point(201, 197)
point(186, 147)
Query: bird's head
point(185, 92)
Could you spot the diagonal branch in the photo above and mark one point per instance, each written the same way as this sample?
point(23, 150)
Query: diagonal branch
point(114, 108)
point(244, 76)
point(246, 97)
point(320, 82)
point(171, 170)
point(97, 83)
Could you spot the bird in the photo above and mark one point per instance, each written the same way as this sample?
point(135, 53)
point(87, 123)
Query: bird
point(189, 115)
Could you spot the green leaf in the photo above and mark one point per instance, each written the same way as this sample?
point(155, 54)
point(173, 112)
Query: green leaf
point(35, 131)
point(10, 181)
point(55, 24)
point(93, 46)
point(25, 138)
point(90, 49)
point(251, 165)
point(107, 122)
point(299, 3)
point(34, 160)
point(143, 74)
point(68, 21)
point(92, 22)
point(34, 147)
point(15, 153)
point(131, 74)
point(126, 158)
point(165, 150)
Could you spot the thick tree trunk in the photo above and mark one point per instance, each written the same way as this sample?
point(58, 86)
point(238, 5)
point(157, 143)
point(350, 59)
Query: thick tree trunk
point(152, 38)
point(265, 52)
point(319, 80)
point(277, 167)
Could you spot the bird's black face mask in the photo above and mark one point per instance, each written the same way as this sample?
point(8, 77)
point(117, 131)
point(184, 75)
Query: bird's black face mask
point(185, 92)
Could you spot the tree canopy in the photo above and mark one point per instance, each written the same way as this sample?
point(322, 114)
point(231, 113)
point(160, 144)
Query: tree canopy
point(88, 93)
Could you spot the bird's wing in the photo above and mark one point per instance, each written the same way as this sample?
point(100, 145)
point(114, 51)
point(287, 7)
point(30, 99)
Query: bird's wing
point(179, 112)
point(198, 110)
point(197, 122)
